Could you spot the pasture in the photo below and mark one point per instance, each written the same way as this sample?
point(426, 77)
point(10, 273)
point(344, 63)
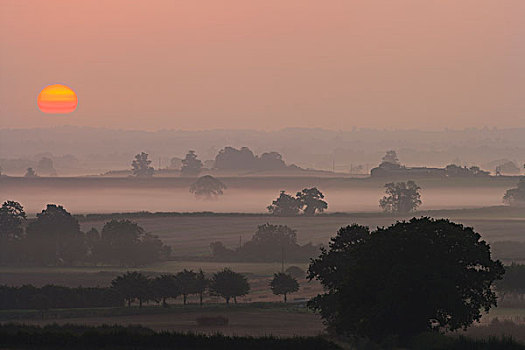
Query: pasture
point(191, 235)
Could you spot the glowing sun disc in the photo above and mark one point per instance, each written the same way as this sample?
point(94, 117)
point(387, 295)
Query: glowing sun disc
point(57, 99)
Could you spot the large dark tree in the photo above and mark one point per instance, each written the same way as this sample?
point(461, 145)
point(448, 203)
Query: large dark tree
point(285, 205)
point(55, 237)
point(311, 201)
point(516, 196)
point(393, 281)
point(140, 166)
point(283, 284)
point(191, 165)
point(401, 198)
point(229, 284)
point(207, 187)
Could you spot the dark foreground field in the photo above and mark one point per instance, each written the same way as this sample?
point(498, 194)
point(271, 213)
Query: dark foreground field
point(15, 336)
point(244, 319)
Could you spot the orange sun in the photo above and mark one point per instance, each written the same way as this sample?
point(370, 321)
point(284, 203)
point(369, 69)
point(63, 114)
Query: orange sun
point(57, 99)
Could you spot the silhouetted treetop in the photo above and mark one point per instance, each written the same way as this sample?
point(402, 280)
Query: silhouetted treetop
point(207, 187)
point(12, 216)
point(30, 173)
point(285, 205)
point(311, 200)
point(391, 157)
point(191, 165)
point(229, 284)
point(516, 196)
point(230, 158)
point(140, 166)
point(283, 284)
point(402, 197)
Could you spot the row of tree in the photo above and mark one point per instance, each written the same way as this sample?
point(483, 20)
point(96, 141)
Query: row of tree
point(228, 158)
point(227, 284)
point(55, 238)
point(137, 287)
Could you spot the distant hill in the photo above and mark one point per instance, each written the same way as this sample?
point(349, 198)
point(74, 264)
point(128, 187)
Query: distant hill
point(101, 150)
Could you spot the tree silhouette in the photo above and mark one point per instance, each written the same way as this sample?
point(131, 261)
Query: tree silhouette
point(229, 284)
point(390, 157)
point(285, 205)
point(402, 197)
point(55, 236)
point(207, 187)
point(201, 284)
point(516, 196)
point(12, 216)
point(393, 281)
point(311, 201)
point(45, 166)
point(166, 286)
point(30, 173)
point(283, 284)
point(191, 166)
point(133, 285)
point(140, 166)
point(126, 243)
point(187, 280)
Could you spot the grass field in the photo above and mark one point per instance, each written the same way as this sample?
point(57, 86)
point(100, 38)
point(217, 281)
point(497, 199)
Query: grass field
point(256, 319)
point(191, 235)
point(243, 320)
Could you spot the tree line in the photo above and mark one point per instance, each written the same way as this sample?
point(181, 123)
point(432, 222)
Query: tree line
point(228, 158)
point(135, 287)
point(55, 238)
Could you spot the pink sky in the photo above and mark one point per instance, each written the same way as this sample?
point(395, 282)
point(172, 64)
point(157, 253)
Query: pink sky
point(266, 64)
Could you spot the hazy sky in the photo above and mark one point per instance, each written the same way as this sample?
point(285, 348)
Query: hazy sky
point(269, 64)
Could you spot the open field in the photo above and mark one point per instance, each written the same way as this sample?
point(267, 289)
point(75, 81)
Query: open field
point(191, 235)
